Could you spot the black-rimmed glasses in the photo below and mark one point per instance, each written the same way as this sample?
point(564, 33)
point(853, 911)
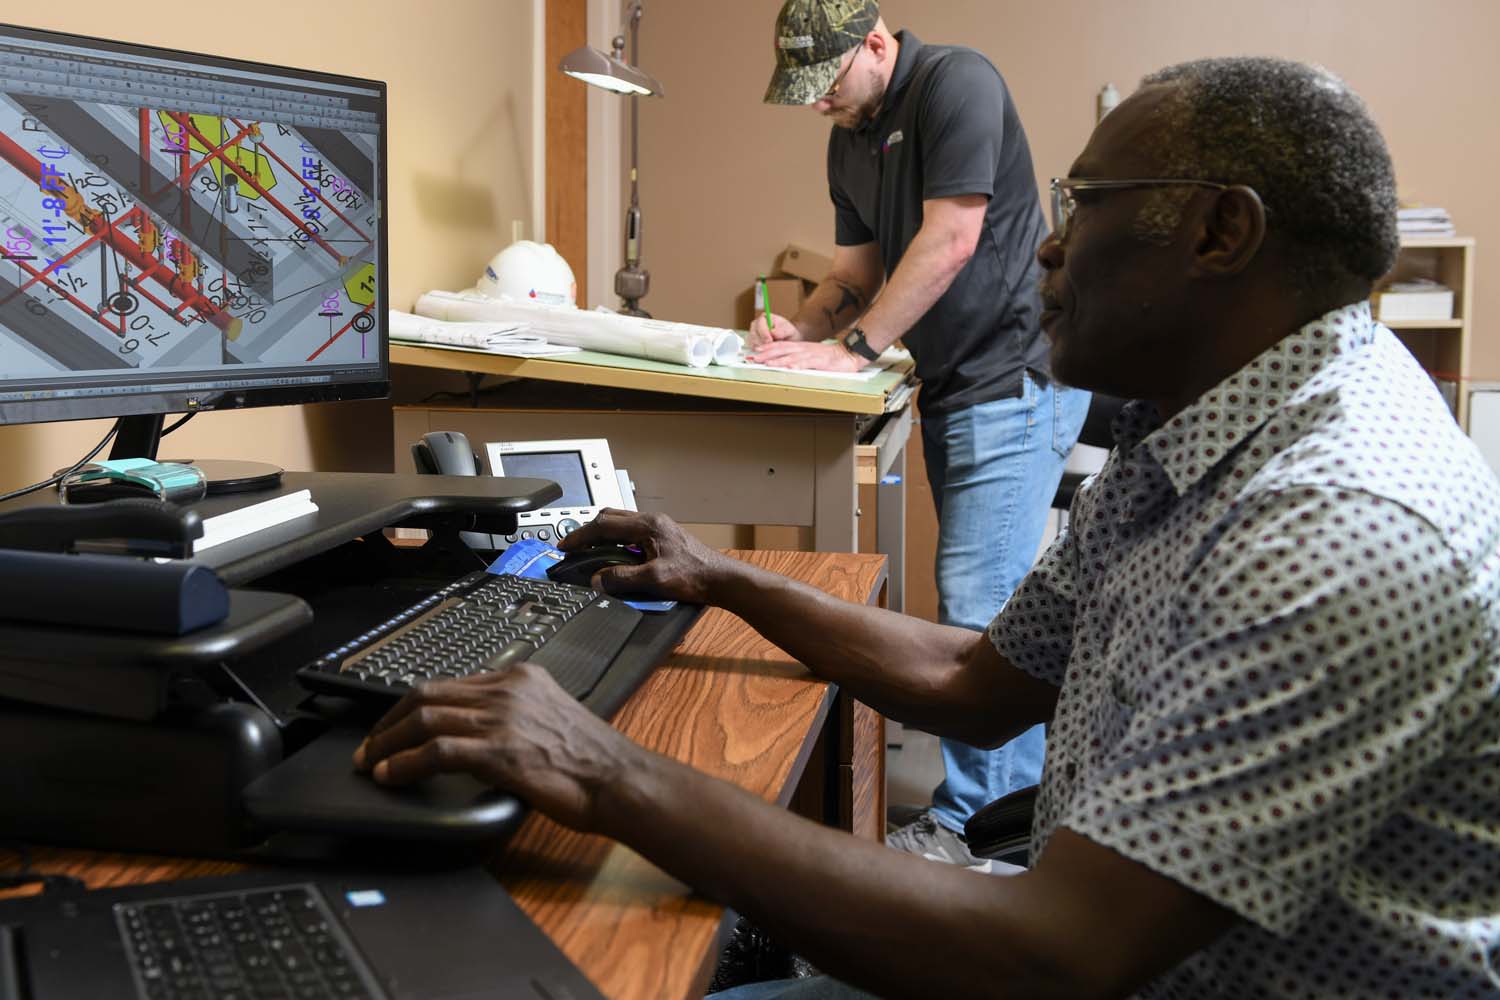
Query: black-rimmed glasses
point(838, 81)
point(1064, 202)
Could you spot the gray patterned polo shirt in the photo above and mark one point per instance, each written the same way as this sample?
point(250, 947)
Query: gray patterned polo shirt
point(1274, 623)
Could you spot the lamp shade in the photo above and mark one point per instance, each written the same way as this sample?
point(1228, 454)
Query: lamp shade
point(605, 71)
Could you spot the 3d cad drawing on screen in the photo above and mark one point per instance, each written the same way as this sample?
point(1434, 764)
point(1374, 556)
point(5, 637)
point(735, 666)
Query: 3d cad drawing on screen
point(155, 218)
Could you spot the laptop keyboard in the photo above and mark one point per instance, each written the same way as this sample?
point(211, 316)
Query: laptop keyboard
point(277, 943)
point(481, 622)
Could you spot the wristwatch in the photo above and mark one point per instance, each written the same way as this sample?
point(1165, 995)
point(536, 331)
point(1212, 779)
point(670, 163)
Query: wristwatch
point(856, 343)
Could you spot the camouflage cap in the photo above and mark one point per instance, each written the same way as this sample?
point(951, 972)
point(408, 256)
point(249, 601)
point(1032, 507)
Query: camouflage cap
point(811, 37)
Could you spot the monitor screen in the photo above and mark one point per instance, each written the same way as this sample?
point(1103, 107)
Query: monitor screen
point(182, 232)
point(565, 468)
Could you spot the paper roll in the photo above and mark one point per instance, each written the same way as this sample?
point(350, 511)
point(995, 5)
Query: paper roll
point(727, 348)
point(596, 330)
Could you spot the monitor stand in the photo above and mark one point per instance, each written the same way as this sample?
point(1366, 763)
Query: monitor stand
point(140, 435)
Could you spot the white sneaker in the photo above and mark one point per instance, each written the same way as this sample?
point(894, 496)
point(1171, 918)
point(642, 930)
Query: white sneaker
point(927, 838)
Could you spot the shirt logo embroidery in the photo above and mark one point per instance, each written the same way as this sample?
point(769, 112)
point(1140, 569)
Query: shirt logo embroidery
point(795, 42)
point(891, 140)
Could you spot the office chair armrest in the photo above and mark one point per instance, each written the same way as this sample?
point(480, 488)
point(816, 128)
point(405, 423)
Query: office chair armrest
point(1067, 488)
point(1002, 829)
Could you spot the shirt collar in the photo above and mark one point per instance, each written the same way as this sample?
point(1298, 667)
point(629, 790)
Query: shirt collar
point(906, 59)
point(1209, 429)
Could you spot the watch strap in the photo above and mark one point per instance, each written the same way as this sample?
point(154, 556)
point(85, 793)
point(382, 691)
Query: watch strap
point(856, 343)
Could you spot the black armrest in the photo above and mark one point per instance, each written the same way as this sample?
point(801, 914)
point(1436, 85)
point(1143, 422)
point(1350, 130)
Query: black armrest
point(1067, 487)
point(1002, 829)
point(148, 527)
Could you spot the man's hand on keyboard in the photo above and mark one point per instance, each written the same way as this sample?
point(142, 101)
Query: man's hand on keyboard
point(516, 730)
point(677, 565)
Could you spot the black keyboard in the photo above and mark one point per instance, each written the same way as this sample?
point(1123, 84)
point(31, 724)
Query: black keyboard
point(277, 942)
point(482, 622)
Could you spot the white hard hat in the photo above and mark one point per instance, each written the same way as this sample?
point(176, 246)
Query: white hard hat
point(527, 271)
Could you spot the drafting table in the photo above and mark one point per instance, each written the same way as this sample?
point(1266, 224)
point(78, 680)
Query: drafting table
point(708, 446)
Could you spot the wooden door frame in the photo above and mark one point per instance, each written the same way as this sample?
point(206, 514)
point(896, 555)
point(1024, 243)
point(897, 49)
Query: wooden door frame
point(567, 142)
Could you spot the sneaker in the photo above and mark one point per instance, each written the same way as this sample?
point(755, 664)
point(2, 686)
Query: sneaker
point(927, 838)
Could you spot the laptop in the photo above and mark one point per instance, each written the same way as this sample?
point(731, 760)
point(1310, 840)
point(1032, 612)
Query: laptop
point(287, 933)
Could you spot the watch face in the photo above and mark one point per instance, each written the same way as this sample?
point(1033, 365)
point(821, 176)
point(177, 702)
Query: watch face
point(857, 343)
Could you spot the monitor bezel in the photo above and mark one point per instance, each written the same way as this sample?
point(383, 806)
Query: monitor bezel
point(147, 403)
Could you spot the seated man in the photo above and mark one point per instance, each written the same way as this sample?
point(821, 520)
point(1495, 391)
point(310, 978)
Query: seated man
point(1266, 649)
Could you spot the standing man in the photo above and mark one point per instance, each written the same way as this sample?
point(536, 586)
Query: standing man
point(936, 198)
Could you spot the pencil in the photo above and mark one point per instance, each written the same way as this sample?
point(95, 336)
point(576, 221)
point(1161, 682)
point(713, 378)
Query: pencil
point(765, 301)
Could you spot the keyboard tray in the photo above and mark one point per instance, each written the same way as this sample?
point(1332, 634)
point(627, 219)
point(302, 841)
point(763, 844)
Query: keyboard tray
point(317, 789)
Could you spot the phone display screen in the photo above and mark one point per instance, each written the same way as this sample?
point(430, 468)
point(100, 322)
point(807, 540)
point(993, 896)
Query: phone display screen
point(565, 468)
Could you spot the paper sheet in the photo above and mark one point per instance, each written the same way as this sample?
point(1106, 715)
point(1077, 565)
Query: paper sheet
point(592, 330)
point(511, 339)
point(891, 356)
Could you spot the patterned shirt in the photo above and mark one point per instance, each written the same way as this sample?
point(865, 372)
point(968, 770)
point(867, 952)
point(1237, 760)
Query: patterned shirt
point(1274, 623)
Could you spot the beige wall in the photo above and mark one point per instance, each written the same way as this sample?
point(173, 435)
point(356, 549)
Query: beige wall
point(460, 90)
point(726, 181)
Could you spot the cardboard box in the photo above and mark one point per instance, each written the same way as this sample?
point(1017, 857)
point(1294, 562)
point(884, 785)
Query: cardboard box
point(800, 262)
point(787, 296)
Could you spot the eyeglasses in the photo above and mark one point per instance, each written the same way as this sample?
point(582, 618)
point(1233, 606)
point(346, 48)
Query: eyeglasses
point(1065, 201)
point(838, 81)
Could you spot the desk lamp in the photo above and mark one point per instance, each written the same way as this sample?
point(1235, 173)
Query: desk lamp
point(611, 72)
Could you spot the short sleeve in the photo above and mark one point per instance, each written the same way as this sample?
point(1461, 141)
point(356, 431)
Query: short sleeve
point(1320, 658)
point(849, 230)
point(1034, 630)
point(961, 127)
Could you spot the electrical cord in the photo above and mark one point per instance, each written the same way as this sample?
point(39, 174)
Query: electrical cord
point(25, 490)
point(178, 423)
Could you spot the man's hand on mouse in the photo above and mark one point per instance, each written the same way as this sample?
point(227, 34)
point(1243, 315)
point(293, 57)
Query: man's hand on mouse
point(677, 565)
point(517, 730)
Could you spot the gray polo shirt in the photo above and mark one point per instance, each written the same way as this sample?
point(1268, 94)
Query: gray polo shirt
point(947, 127)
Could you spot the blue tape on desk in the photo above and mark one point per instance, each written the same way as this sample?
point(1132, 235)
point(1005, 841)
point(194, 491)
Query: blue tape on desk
point(530, 559)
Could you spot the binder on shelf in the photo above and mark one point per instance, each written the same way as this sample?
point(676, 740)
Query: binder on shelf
point(1414, 300)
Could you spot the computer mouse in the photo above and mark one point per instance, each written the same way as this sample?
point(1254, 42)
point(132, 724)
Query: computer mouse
point(578, 568)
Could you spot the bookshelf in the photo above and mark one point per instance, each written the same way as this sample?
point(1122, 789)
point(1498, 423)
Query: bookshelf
point(1442, 345)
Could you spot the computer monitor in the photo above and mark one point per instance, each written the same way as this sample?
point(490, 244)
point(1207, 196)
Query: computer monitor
point(184, 232)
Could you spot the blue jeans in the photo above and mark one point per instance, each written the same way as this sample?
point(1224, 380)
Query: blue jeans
point(994, 469)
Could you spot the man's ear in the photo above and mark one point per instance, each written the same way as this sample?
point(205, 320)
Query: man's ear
point(1234, 230)
point(875, 42)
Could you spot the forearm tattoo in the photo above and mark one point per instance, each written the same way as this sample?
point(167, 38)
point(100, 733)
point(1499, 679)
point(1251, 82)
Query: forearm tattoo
point(851, 297)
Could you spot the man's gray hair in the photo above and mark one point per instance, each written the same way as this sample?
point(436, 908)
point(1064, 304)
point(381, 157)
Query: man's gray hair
point(1305, 142)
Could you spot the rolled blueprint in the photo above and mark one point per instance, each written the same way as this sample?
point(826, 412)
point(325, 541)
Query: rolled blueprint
point(727, 348)
point(596, 330)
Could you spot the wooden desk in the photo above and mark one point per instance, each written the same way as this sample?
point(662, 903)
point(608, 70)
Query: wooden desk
point(728, 703)
point(711, 446)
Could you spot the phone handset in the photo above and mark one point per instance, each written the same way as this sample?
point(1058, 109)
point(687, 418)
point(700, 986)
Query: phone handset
point(447, 453)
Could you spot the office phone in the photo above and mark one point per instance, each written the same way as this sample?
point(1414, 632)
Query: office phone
point(583, 467)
